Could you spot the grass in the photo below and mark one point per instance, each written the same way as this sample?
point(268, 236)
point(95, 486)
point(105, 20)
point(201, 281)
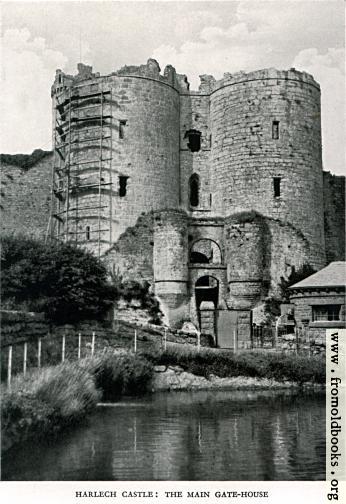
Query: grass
point(44, 403)
point(281, 367)
point(58, 397)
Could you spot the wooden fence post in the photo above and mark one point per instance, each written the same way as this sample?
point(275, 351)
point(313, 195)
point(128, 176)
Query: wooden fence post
point(198, 341)
point(135, 343)
point(25, 356)
point(39, 351)
point(63, 349)
point(235, 341)
point(9, 367)
point(93, 344)
point(79, 345)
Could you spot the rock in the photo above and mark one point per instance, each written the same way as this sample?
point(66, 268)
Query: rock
point(160, 369)
point(189, 327)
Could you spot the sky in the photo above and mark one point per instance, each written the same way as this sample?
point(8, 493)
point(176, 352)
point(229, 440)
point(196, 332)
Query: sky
point(195, 37)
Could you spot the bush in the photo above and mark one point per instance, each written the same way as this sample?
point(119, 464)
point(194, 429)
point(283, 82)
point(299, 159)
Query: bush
point(122, 374)
point(130, 290)
point(45, 402)
point(67, 283)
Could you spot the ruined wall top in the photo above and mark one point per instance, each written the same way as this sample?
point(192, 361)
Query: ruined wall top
point(208, 83)
point(150, 70)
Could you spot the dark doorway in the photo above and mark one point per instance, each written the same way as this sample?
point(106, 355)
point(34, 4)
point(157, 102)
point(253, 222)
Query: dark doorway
point(207, 289)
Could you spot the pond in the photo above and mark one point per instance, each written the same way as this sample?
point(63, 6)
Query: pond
point(234, 435)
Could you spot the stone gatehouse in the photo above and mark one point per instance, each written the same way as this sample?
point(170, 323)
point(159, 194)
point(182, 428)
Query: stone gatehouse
point(211, 195)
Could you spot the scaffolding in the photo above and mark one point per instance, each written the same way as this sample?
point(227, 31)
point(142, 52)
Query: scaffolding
point(82, 122)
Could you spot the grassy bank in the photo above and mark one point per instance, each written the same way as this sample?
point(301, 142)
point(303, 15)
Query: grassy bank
point(57, 398)
point(47, 402)
point(280, 367)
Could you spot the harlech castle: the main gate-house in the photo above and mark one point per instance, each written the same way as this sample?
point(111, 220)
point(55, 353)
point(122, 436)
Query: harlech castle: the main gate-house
point(210, 195)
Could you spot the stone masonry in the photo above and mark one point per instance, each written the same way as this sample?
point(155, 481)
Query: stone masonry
point(211, 195)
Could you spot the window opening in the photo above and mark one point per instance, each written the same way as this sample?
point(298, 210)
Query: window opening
point(122, 186)
point(122, 125)
point(326, 313)
point(194, 140)
point(87, 232)
point(277, 186)
point(275, 130)
point(194, 190)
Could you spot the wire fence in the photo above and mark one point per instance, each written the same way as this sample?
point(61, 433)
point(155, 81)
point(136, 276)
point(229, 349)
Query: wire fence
point(34, 353)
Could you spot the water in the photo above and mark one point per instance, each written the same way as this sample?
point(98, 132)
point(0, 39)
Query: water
point(186, 436)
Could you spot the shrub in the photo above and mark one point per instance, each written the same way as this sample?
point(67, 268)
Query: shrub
point(296, 276)
point(122, 374)
point(45, 402)
point(67, 283)
point(130, 290)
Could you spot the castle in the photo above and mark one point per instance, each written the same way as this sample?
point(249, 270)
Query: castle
point(211, 195)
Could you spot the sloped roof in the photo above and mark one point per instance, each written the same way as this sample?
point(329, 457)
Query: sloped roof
point(333, 275)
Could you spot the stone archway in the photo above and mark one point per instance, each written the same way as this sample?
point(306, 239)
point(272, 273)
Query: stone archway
point(205, 251)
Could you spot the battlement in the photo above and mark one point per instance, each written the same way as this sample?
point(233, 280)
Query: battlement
point(151, 70)
point(208, 84)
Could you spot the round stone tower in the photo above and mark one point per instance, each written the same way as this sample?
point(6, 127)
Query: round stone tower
point(171, 263)
point(245, 256)
point(116, 150)
point(266, 150)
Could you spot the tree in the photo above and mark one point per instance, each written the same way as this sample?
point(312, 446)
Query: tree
point(67, 283)
point(296, 276)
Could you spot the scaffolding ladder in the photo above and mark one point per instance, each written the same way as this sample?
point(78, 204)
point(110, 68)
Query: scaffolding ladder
point(68, 166)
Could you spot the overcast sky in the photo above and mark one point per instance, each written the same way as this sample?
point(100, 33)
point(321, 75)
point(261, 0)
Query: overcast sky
point(195, 37)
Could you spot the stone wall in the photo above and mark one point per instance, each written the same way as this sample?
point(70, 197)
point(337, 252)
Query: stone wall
point(334, 216)
point(304, 301)
point(19, 327)
point(132, 255)
point(26, 197)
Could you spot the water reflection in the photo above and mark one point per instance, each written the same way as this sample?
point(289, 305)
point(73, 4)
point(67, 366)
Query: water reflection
point(187, 436)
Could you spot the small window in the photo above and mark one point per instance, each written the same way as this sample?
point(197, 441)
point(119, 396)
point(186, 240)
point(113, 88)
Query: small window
point(194, 190)
point(122, 125)
point(87, 233)
point(277, 186)
point(275, 130)
point(194, 137)
point(122, 186)
point(326, 313)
